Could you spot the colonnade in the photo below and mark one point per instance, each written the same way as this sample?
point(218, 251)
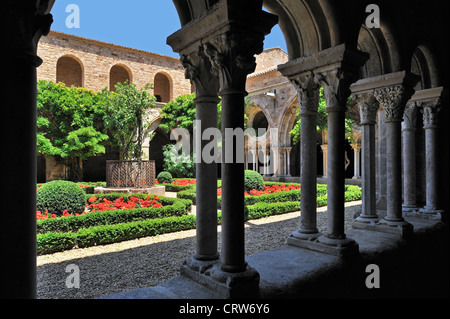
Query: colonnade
point(217, 50)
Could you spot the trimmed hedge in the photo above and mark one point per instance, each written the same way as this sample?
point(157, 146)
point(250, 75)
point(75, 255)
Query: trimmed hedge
point(172, 207)
point(88, 231)
point(106, 234)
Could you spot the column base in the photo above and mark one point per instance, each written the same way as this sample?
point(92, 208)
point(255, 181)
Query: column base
point(227, 285)
point(409, 208)
point(430, 213)
point(398, 227)
point(364, 221)
point(343, 248)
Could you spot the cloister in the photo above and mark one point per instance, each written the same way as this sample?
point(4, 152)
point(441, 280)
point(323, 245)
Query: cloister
point(397, 73)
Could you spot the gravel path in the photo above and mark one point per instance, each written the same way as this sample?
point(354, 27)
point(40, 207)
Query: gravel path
point(149, 261)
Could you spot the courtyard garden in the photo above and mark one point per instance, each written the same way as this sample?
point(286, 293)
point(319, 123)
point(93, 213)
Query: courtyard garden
point(69, 215)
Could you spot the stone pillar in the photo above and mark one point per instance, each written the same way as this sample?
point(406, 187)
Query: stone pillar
point(288, 161)
point(409, 157)
point(336, 83)
point(230, 37)
point(276, 162)
point(265, 162)
point(324, 148)
point(368, 107)
point(392, 99)
point(334, 69)
point(308, 95)
point(206, 86)
point(430, 112)
point(24, 22)
point(356, 161)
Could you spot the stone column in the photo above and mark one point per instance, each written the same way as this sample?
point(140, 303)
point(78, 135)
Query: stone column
point(368, 107)
point(409, 157)
point(334, 69)
point(324, 148)
point(356, 161)
point(288, 161)
point(256, 159)
point(276, 162)
point(336, 83)
point(430, 112)
point(392, 99)
point(230, 37)
point(308, 96)
point(24, 22)
point(231, 53)
point(206, 86)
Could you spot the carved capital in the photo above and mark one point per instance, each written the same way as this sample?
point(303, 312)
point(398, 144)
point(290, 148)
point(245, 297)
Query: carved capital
point(198, 70)
point(410, 116)
point(368, 107)
point(26, 22)
point(336, 87)
point(393, 100)
point(308, 93)
point(430, 112)
point(231, 55)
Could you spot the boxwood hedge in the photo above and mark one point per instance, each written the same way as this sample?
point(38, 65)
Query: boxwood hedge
point(114, 226)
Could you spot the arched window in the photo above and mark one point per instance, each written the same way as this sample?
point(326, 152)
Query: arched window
point(118, 74)
point(69, 71)
point(162, 88)
point(260, 122)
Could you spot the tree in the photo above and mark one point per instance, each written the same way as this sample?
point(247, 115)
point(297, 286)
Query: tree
point(124, 117)
point(181, 113)
point(322, 119)
point(69, 125)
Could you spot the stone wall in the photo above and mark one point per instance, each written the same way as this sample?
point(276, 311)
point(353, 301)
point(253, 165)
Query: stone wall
point(97, 58)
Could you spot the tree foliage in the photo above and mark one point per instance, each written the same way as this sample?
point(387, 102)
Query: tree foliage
point(125, 117)
point(322, 119)
point(69, 125)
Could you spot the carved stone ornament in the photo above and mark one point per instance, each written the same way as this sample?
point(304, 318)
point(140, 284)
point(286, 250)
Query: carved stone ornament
point(198, 70)
point(368, 107)
point(231, 55)
point(410, 116)
point(308, 93)
point(430, 113)
point(393, 100)
point(336, 87)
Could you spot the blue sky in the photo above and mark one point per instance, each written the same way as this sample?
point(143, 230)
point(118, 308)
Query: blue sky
point(139, 24)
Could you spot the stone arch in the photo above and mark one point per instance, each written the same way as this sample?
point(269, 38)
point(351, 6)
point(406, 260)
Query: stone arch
point(288, 120)
point(301, 28)
point(119, 73)
point(70, 71)
point(381, 46)
point(254, 110)
point(163, 87)
point(423, 63)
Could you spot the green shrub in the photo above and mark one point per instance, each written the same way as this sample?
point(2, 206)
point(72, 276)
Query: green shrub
point(164, 177)
point(58, 196)
point(253, 180)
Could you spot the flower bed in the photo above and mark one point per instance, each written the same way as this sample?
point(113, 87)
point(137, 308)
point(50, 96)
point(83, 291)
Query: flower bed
point(120, 213)
point(178, 184)
point(115, 217)
point(268, 189)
